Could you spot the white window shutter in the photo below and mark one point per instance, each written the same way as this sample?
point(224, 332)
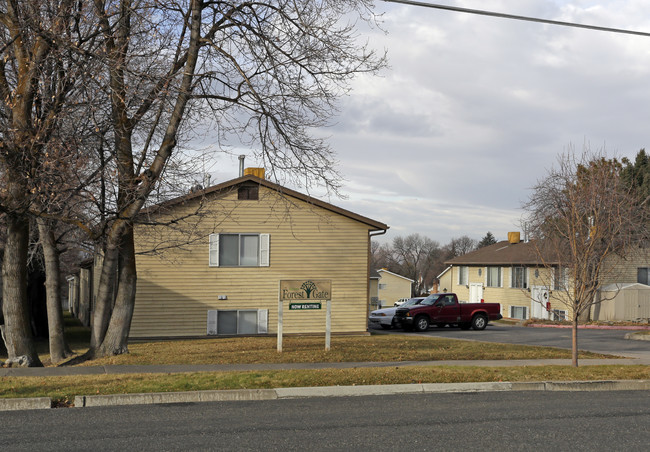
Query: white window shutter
point(265, 250)
point(501, 272)
point(262, 321)
point(212, 322)
point(214, 250)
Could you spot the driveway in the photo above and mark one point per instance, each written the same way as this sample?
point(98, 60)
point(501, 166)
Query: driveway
point(611, 342)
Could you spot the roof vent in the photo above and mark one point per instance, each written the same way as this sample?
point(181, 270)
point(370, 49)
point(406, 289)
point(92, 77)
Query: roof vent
point(514, 237)
point(241, 165)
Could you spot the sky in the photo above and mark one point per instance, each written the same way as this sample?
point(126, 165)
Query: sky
point(474, 111)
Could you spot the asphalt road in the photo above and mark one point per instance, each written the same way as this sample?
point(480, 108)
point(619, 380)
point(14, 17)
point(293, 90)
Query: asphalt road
point(599, 341)
point(510, 421)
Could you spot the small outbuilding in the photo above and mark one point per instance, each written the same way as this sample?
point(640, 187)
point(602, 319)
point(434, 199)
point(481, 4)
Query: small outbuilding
point(623, 302)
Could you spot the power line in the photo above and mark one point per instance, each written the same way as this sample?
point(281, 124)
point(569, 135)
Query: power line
point(514, 17)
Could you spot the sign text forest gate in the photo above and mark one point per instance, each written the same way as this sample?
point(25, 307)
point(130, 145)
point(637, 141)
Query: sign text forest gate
point(304, 295)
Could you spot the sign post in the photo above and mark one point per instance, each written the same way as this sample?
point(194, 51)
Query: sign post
point(280, 319)
point(305, 295)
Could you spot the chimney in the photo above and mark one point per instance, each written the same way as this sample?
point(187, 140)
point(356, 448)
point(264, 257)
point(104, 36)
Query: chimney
point(514, 237)
point(257, 172)
point(241, 165)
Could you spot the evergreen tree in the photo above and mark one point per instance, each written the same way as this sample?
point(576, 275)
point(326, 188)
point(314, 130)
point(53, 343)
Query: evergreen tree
point(487, 240)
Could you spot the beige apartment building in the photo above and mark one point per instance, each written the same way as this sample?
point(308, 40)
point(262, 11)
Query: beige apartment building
point(211, 262)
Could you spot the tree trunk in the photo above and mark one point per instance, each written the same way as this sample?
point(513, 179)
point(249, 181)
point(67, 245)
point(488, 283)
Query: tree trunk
point(103, 304)
point(574, 341)
point(59, 349)
point(115, 340)
point(18, 334)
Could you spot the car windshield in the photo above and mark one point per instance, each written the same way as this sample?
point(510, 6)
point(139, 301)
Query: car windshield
point(430, 299)
point(412, 301)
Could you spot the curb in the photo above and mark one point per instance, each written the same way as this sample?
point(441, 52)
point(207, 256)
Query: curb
point(324, 391)
point(34, 403)
point(592, 327)
point(175, 397)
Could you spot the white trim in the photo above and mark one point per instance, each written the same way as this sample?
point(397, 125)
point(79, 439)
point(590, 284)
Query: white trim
point(444, 271)
point(213, 250)
point(262, 321)
point(265, 250)
point(394, 274)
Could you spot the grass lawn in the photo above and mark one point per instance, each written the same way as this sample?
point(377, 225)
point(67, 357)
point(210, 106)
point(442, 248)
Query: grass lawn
point(373, 348)
point(63, 389)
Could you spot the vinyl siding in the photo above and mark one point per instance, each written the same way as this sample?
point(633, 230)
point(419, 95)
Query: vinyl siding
point(176, 287)
point(507, 296)
point(396, 288)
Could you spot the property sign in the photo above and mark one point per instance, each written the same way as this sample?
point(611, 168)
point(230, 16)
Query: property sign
point(305, 290)
point(303, 306)
point(304, 295)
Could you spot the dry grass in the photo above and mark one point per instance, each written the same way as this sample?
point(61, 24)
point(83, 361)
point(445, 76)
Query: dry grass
point(379, 348)
point(251, 350)
point(63, 389)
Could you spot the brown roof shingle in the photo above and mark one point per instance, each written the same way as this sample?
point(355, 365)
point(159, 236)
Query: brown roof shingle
point(502, 253)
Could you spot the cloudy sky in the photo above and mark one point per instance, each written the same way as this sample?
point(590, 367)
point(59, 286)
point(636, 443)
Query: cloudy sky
point(474, 110)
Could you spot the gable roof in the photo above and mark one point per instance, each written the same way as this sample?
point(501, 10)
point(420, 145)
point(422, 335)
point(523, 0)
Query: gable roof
point(502, 253)
point(394, 274)
point(230, 185)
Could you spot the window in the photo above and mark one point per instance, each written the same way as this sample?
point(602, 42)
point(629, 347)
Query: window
point(493, 276)
point(561, 278)
point(558, 315)
point(518, 278)
point(518, 312)
point(239, 250)
point(642, 275)
point(241, 321)
point(248, 192)
point(381, 286)
point(462, 276)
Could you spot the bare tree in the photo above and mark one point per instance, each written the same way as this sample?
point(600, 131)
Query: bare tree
point(461, 245)
point(415, 255)
point(41, 42)
point(584, 219)
point(264, 72)
point(380, 255)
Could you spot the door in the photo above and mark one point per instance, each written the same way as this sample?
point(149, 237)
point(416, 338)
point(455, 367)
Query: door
point(446, 310)
point(538, 299)
point(475, 292)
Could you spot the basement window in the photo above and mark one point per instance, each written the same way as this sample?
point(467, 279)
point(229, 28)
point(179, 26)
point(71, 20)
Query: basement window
point(518, 312)
point(230, 322)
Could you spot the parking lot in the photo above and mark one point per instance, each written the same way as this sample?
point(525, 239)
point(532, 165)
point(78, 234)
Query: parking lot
point(595, 340)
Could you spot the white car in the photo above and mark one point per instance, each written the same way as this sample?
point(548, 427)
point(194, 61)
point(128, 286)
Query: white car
point(384, 317)
point(400, 302)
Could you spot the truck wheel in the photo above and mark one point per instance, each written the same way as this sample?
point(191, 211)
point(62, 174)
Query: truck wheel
point(479, 322)
point(421, 324)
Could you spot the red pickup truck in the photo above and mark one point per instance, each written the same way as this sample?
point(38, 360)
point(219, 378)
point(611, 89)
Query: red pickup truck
point(444, 309)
